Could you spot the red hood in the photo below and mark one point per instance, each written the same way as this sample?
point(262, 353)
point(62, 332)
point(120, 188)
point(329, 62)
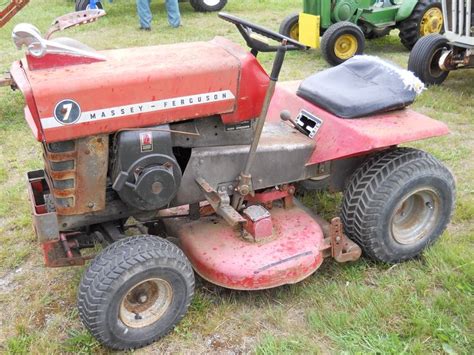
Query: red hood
point(137, 87)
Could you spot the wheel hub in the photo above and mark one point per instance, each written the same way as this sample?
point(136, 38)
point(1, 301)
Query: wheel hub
point(145, 303)
point(345, 46)
point(295, 31)
point(432, 22)
point(415, 216)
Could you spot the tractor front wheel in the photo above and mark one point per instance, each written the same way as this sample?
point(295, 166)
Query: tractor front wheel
point(398, 203)
point(208, 5)
point(82, 5)
point(424, 59)
point(135, 292)
point(290, 26)
point(426, 18)
point(342, 41)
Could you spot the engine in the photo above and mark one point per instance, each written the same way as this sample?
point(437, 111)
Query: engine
point(145, 173)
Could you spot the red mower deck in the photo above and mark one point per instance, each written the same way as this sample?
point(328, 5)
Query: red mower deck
point(221, 255)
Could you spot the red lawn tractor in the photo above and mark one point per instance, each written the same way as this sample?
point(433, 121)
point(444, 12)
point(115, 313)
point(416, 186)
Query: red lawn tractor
point(192, 164)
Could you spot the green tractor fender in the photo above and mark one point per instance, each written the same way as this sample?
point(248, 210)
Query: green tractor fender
point(405, 10)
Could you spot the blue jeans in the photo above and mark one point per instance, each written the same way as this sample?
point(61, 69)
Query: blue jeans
point(145, 16)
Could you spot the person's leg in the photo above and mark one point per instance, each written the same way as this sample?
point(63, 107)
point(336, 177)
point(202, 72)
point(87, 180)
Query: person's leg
point(174, 17)
point(144, 13)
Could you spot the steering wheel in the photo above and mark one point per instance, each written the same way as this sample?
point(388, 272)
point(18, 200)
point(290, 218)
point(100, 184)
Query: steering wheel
point(246, 29)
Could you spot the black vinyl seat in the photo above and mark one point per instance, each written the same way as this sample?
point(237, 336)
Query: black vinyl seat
point(361, 86)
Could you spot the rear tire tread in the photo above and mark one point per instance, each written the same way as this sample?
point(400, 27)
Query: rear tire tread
point(370, 188)
point(409, 28)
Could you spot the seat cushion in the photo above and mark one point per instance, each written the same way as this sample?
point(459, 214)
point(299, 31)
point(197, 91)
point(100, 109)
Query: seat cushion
point(361, 86)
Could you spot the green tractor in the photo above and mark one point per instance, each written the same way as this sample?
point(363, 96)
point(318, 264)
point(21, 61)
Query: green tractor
point(345, 24)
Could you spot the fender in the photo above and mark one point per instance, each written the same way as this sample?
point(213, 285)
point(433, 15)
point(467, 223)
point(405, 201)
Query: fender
point(405, 10)
point(343, 138)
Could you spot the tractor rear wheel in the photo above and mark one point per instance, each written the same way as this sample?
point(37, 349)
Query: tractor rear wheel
point(82, 5)
point(342, 41)
point(208, 5)
point(426, 18)
point(398, 203)
point(290, 26)
point(424, 59)
point(135, 292)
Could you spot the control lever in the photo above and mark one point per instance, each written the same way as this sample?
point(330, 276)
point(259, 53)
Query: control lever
point(285, 116)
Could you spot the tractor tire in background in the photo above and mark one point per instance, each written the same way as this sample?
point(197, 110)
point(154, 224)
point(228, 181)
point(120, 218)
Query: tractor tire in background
point(397, 204)
point(424, 59)
point(342, 41)
point(82, 5)
point(290, 26)
point(135, 291)
point(426, 18)
point(208, 5)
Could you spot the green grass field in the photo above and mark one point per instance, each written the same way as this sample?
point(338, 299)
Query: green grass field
point(422, 306)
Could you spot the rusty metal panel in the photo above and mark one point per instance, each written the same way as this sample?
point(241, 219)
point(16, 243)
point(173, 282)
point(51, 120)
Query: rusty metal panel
point(77, 177)
point(45, 223)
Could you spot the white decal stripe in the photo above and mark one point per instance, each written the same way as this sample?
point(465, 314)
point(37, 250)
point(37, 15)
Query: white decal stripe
point(153, 106)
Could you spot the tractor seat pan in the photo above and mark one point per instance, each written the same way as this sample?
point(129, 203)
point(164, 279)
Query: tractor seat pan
point(361, 86)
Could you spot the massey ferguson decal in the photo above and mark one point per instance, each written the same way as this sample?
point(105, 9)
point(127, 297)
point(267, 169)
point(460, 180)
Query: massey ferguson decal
point(146, 142)
point(65, 108)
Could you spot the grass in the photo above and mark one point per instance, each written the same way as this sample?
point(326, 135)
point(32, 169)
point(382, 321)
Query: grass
point(422, 306)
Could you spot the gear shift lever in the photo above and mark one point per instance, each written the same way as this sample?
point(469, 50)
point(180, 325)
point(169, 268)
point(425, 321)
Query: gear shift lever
point(285, 116)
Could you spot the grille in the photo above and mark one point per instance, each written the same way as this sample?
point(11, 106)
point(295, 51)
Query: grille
point(458, 17)
point(77, 172)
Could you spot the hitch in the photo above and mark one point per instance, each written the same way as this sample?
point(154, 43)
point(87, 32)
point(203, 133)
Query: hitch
point(338, 246)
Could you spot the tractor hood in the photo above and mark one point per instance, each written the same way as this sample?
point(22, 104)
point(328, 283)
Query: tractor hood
point(72, 96)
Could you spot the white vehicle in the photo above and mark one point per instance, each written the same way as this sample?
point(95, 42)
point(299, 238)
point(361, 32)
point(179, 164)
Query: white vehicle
point(434, 56)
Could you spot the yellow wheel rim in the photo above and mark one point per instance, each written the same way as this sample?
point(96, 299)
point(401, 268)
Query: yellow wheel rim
point(346, 46)
point(295, 31)
point(431, 22)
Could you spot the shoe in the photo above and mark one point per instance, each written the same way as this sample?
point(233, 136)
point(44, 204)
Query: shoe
point(145, 28)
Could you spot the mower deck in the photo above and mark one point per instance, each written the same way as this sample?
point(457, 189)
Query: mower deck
point(221, 255)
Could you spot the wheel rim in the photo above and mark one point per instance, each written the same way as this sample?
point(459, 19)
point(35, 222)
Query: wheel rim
point(211, 2)
point(415, 216)
point(345, 46)
point(431, 22)
point(295, 31)
point(435, 70)
point(145, 303)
